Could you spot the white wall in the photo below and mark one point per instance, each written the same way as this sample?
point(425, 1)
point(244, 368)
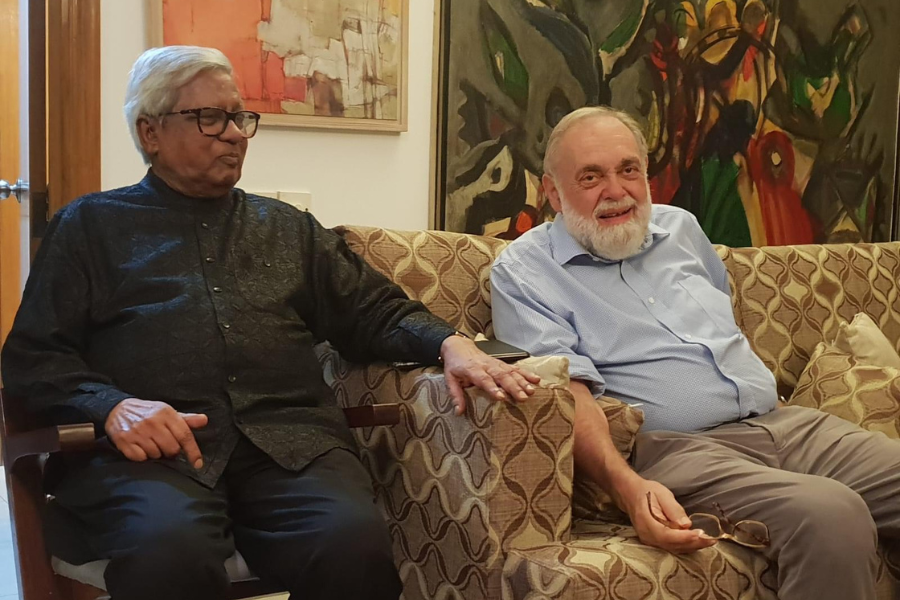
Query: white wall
point(354, 178)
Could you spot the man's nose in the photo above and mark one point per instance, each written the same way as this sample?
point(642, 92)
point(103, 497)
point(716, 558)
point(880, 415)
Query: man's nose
point(614, 189)
point(232, 133)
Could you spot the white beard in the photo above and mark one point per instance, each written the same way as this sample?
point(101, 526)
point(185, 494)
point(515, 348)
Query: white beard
point(612, 242)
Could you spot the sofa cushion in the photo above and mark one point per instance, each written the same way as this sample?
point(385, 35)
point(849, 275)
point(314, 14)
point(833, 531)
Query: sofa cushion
point(448, 272)
point(837, 383)
point(790, 298)
point(862, 339)
point(606, 560)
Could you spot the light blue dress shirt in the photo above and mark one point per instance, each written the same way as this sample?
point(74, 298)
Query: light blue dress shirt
point(656, 328)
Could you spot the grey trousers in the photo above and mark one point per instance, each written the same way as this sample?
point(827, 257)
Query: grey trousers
point(826, 489)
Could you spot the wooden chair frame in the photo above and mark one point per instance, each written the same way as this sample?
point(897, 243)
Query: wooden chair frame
point(25, 445)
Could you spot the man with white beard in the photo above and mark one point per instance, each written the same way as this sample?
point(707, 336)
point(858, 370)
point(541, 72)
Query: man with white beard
point(636, 298)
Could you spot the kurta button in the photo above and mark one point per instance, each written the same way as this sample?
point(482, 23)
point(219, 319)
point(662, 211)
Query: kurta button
point(204, 225)
point(267, 263)
point(651, 300)
point(226, 325)
point(210, 259)
point(689, 336)
point(217, 289)
point(232, 378)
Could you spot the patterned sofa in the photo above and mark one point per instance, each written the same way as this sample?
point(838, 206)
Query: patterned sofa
point(482, 506)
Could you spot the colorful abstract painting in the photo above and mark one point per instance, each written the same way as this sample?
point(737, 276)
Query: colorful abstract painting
point(773, 121)
point(323, 63)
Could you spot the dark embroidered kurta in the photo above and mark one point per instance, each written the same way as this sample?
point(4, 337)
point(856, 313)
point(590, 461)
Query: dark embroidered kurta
point(212, 306)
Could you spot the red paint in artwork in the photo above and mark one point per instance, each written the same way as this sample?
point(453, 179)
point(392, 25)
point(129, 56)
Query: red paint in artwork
point(295, 88)
point(771, 160)
point(664, 185)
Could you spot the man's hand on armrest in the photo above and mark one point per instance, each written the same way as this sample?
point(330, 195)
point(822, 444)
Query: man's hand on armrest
point(143, 429)
point(596, 455)
point(465, 365)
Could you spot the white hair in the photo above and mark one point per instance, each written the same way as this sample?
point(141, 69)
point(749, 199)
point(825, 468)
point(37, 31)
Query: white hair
point(592, 112)
point(157, 78)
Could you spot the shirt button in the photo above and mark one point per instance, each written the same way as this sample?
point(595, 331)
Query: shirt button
point(217, 289)
point(204, 225)
point(210, 259)
point(267, 263)
point(232, 378)
point(651, 300)
point(226, 326)
point(689, 336)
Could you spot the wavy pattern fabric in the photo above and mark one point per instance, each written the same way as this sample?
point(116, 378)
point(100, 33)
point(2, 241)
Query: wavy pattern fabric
point(790, 298)
point(838, 384)
point(482, 506)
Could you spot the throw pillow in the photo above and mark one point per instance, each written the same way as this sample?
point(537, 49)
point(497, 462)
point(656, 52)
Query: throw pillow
point(838, 383)
point(862, 339)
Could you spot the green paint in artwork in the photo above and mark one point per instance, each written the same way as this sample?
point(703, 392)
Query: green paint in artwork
point(837, 116)
point(625, 30)
point(722, 217)
point(800, 90)
point(509, 70)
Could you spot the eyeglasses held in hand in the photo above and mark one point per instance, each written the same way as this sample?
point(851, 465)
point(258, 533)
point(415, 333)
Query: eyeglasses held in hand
point(213, 121)
point(749, 533)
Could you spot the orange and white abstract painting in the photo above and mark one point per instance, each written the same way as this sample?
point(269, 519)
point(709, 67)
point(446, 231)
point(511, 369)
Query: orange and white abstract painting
point(325, 63)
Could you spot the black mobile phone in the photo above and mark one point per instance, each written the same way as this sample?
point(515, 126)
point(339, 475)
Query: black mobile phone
point(501, 350)
point(496, 348)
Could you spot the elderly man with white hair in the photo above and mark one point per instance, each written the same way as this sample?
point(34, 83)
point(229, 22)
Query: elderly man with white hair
point(179, 316)
point(637, 299)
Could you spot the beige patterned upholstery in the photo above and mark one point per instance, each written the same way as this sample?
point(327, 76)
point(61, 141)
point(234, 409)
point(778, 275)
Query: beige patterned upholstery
point(482, 506)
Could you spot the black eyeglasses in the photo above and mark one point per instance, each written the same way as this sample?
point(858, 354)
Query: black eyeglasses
point(213, 121)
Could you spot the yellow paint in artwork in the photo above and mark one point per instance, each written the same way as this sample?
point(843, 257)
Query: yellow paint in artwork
point(720, 15)
point(821, 98)
point(290, 107)
point(392, 6)
point(495, 228)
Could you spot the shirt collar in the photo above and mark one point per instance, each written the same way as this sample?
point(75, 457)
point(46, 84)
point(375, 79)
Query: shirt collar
point(564, 247)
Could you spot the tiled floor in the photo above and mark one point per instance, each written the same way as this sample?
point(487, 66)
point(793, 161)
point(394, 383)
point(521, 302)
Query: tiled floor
point(9, 588)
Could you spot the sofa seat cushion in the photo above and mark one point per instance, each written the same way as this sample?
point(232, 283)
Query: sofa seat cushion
point(606, 560)
point(839, 384)
point(92, 573)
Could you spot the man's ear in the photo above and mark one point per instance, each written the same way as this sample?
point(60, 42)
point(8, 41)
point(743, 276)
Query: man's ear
point(551, 192)
point(148, 134)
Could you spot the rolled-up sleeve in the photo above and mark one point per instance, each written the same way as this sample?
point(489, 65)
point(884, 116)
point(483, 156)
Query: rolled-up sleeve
point(522, 320)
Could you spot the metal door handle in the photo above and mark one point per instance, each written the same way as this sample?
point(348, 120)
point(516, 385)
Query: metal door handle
point(17, 188)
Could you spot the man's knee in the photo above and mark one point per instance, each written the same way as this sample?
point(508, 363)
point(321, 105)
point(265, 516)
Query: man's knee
point(170, 562)
point(827, 515)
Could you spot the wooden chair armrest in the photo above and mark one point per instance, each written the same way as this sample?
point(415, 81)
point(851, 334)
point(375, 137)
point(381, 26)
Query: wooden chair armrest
point(72, 438)
point(62, 438)
point(372, 415)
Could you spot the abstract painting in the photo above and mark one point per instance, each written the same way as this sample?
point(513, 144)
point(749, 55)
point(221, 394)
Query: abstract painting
point(773, 121)
point(315, 63)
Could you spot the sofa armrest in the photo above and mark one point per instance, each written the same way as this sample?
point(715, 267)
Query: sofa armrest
point(460, 491)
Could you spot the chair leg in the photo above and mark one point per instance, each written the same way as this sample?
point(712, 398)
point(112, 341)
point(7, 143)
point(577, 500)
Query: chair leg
point(36, 578)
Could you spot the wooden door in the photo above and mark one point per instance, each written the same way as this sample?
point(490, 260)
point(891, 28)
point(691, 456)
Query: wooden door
point(10, 228)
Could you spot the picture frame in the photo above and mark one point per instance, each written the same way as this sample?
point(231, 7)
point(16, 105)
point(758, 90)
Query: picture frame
point(815, 125)
point(295, 80)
